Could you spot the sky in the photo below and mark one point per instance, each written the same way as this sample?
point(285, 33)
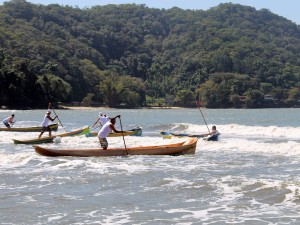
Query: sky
point(285, 8)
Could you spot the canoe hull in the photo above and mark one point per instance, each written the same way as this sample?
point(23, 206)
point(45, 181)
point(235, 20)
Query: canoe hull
point(35, 141)
point(53, 127)
point(72, 133)
point(133, 132)
point(49, 139)
point(170, 135)
point(188, 147)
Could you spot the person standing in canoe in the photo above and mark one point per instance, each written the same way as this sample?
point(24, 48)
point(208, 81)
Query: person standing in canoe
point(102, 118)
point(214, 134)
point(105, 130)
point(45, 123)
point(9, 121)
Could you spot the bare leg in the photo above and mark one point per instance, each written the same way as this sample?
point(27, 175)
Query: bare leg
point(103, 143)
point(41, 134)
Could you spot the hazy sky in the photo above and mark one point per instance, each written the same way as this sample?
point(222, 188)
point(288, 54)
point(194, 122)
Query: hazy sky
point(286, 8)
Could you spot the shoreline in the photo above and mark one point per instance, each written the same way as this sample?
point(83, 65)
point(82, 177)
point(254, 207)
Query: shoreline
point(106, 108)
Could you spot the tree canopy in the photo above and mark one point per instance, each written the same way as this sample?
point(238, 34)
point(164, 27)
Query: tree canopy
point(130, 55)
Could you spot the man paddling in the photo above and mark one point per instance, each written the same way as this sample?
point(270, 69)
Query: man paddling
point(102, 118)
point(9, 121)
point(45, 123)
point(214, 134)
point(105, 131)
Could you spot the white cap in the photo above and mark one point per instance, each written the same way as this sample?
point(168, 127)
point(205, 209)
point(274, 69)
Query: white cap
point(49, 110)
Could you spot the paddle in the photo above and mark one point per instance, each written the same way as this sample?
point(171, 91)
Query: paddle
point(93, 128)
point(202, 114)
point(123, 135)
point(49, 107)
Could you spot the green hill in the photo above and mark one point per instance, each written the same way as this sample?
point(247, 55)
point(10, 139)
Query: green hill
point(131, 55)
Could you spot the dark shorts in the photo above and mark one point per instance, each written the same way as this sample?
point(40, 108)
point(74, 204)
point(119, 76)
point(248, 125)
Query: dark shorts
point(7, 125)
point(213, 138)
point(103, 142)
point(45, 128)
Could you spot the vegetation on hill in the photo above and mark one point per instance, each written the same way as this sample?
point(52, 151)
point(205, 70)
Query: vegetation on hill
point(131, 55)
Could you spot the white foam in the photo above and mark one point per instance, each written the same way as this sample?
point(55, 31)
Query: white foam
point(288, 148)
point(12, 160)
point(176, 182)
point(243, 130)
point(117, 218)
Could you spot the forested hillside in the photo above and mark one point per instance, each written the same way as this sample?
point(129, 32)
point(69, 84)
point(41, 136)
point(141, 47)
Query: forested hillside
point(131, 56)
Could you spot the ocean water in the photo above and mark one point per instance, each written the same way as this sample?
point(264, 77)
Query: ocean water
point(250, 176)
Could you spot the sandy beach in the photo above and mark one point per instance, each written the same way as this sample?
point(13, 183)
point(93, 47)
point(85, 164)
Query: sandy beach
point(83, 107)
point(107, 108)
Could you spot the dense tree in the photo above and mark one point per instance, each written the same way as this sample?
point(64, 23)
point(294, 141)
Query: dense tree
point(122, 90)
point(121, 55)
point(185, 98)
point(53, 88)
point(254, 98)
point(293, 96)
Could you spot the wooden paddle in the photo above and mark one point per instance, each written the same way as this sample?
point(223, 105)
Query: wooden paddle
point(49, 107)
point(202, 114)
point(123, 135)
point(93, 128)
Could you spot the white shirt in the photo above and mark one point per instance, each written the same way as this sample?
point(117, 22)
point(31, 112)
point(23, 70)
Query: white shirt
point(104, 120)
point(46, 121)
point(7, 119)
point(105, 130)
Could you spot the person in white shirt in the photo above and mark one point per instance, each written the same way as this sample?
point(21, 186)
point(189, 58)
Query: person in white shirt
point(213, 135)
point(105, 131)
point(102, 119)
point(45, 123)
point(9, 121)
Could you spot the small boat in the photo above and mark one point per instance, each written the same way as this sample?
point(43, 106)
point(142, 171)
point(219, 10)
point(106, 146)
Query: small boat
point(133, 132)
point(206, 137)
point(28, 129)
point(74, 133)
point(187, 147)
point(35, 141)
point(50, 139)
point(166, 134)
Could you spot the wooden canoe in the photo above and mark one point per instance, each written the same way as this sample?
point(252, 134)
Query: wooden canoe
point(35, 141)
point(49, 139)
point(133, 132)
point(28, 129)
point(166, 134)
point(214, 137)
point(73, 133)
point(187, 147)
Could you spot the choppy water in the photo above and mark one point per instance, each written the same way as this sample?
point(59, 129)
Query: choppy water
point(251, 176)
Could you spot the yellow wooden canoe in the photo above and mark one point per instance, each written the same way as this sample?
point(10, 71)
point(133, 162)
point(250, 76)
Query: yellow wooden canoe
point(50, 139)
point(187, 147)
point(28, 129)
point(34, 141)
point(166, 134)
point(133, 132)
